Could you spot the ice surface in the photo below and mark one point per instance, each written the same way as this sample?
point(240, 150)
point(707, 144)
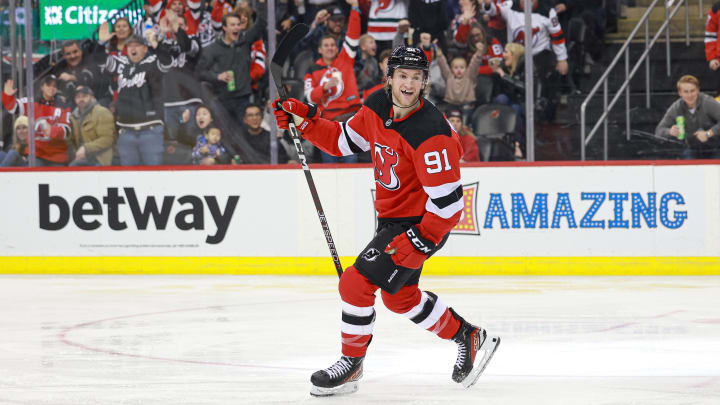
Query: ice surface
point(256, 340)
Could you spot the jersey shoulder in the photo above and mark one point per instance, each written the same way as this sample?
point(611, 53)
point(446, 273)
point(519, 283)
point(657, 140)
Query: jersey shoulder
point(379, 103)
point(716, 7)
point(423, 125)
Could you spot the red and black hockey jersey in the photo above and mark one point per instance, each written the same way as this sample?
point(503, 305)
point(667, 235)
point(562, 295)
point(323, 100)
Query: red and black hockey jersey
point(712, 27)
point(416, 158)
point(344, 97)
point(49, 146)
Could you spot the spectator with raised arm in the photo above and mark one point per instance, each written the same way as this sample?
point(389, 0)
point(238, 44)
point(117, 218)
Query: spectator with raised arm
point(700, 131)
point(328, 23)
point(52, 121)
point(139, 106)
point(548, 30)
point(330, 82)
point(460, 78)
point(181, 89)
point(225, 64)
point(116, 38)
point(548, 50)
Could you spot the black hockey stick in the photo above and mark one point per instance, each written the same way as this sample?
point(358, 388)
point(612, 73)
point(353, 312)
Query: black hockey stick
point(286, 45)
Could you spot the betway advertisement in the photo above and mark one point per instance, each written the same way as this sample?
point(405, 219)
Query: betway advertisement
point(559, 211)
point(75, 19)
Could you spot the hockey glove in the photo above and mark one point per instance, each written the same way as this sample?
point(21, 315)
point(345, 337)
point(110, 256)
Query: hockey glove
point(409, 249)
point(303, 114)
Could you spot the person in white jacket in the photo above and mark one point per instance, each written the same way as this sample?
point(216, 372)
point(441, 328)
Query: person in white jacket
point(547, 33)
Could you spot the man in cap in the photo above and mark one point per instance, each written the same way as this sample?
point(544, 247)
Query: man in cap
point(328, 23)
point(139, 105)
point(93, 130)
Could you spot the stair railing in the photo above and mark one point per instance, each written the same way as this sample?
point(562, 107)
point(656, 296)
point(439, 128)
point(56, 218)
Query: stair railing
point(585, 137)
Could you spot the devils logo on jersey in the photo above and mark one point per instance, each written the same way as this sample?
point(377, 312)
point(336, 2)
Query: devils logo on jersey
point(335, 91)
point(384, 5)
point(519, 35)
point(385, 161)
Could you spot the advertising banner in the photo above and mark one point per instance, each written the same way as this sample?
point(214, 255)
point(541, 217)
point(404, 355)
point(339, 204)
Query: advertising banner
point(76, 19)
point(567, 214)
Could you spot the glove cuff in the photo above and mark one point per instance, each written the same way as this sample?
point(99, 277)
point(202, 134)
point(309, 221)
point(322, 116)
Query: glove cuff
point(312, 110)
point(421, 244)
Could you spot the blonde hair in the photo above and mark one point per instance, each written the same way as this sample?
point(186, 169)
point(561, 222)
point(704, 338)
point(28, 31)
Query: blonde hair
point(517, 52)
point(364, 38)
point(690, 79)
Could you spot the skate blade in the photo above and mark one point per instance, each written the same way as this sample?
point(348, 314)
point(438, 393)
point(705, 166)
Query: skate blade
point(347, 388)
point(488, 348)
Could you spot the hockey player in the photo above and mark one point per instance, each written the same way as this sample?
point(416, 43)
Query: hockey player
point(419, 200)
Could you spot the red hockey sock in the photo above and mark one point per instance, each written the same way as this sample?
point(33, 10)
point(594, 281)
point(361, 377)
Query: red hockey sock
point(358, 315)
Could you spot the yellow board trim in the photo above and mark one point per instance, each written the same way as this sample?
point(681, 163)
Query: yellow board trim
point(441, 266)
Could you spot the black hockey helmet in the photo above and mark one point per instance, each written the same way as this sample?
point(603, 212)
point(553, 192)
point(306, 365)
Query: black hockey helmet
point(407, 57)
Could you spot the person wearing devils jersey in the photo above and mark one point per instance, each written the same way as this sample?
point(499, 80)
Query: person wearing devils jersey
point(419, 199)
point(330, 83)
point(52, 121)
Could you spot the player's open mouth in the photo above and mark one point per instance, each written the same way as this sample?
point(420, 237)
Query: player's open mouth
point(406, 92)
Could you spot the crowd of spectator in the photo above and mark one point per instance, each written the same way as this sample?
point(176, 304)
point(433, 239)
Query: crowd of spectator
point(189, 83)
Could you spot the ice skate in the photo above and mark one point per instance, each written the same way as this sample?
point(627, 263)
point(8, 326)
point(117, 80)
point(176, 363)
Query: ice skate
point(475, 349)
point(340, 378)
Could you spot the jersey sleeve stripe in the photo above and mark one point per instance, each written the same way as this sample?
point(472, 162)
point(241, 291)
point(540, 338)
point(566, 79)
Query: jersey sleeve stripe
point(345, 144)
point(443, 189)
point(445, 212)
point(355, 137)
point(448, 199)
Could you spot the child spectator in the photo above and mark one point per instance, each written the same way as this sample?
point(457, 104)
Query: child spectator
point(460, 78)
point(366, 66)
point(191, 130)
point(382, 66)
point(208, 148)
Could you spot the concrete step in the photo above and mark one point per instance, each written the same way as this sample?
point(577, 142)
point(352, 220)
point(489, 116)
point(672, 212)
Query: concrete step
point(635, 13)
point(677, 25)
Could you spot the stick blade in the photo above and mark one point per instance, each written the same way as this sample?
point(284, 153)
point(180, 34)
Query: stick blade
point(289, 41)
point(287, 44)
